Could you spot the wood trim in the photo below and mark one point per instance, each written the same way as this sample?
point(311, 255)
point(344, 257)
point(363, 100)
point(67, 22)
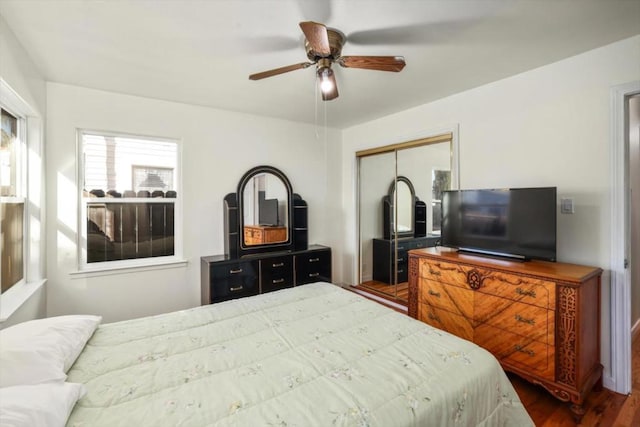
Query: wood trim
point(408, 144)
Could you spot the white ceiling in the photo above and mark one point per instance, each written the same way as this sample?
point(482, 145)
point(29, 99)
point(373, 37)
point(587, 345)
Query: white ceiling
point(202, 52)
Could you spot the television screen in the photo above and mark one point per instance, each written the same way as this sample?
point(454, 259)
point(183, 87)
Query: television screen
point(268, 212)
point(516, 222)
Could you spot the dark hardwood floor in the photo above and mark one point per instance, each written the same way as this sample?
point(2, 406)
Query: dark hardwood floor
point(603, 409)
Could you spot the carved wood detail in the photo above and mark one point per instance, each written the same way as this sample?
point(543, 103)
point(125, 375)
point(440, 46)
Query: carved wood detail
point(412, 306)
point(567, 335)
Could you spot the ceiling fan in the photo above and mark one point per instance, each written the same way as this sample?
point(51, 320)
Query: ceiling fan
point(324, 48)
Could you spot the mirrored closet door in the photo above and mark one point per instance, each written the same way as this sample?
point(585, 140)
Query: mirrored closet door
point(399, 193)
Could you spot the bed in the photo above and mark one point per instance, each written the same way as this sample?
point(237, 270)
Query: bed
point(314, 355)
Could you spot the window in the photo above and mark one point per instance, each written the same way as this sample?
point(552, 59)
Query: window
point(12, 197)
point(129, 198)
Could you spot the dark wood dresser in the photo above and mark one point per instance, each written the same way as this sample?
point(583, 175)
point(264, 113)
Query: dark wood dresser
point(223, 278)
point(540, 319)
point(385, 263)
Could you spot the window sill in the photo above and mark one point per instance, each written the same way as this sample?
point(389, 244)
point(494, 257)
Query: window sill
point(130, 268)
point(14, 298)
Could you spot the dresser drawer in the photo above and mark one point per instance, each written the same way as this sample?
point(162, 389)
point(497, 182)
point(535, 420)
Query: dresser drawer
point(233, 280)
point(525, 320)
point(538, 292)
point(276, 273)
point(313, 267)
point(445, 320)
point(512, 286)
point(517, 351)
point(451, 298)
point(253, 236)
point(444, 272)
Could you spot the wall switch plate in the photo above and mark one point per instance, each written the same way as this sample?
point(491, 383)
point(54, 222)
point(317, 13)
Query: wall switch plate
point(566, 206)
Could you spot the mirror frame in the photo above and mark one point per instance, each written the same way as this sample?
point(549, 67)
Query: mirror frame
point(297, 229)
point(246, 179)
point(390, 210)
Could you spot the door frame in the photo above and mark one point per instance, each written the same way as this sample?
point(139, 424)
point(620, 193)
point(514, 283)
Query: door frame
point(620, 380)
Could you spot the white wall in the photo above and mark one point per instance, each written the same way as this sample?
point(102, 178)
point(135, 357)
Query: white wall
point(218, 147)
point(545, 127)
point(18, 71)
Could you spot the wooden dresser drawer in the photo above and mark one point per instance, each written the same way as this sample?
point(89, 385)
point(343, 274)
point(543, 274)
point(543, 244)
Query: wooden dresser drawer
point(445, 320)
point(518, 351)
point(451, 274)
point(451, 298)
point(276, 273)
point(253, 236)
point(524, 320)
point(520, 288)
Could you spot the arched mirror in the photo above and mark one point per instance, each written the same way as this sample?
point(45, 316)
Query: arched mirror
point(260, 216)
point(265, 209)
point(399, 209)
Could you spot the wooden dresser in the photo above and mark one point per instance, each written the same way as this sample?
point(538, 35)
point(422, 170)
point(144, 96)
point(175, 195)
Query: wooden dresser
point(540, 319)
point(258, 234)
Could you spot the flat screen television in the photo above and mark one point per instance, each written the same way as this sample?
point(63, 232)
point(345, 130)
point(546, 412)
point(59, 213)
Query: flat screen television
point(515, 222)
point(268, 213)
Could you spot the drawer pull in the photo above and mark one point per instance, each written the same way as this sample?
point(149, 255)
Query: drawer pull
point(529, 293)
point(434, 293)
point(526, 351)
point(434, 317)
point(434, 272)
point(525, 320)
point(276, 281)
point(237, 288)
point(280, 264)
point(314, 274)
point(400, 259)
point(235, 271)
point(401, 248)
point(314, 259)
point(400, 271)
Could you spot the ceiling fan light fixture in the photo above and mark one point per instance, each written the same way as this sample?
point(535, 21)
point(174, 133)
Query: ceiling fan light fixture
point(326, 82)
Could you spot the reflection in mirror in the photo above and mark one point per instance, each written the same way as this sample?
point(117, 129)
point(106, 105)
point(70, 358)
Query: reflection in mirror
point(441, 181)
point(403, 211)
point(265, 208)
point(429, 169)
point(410, 177)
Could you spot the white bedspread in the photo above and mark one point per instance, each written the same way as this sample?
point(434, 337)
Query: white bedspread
point(314, 355)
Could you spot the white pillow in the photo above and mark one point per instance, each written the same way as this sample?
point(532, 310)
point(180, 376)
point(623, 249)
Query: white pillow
point(43, 350)
point(40, 405)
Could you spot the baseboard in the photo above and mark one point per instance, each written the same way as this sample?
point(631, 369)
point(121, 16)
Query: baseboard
point(386, 302)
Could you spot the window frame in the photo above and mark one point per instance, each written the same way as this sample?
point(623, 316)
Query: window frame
point(21, 188)
point(136, 263)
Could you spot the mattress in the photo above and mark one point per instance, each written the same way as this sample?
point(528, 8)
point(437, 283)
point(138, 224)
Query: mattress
point(313, 355)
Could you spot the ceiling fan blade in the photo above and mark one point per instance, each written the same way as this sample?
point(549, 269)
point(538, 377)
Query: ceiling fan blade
point(317, 37)
point(280, 70)
point(333, 93)
point(413, 34)
point(379, 63)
